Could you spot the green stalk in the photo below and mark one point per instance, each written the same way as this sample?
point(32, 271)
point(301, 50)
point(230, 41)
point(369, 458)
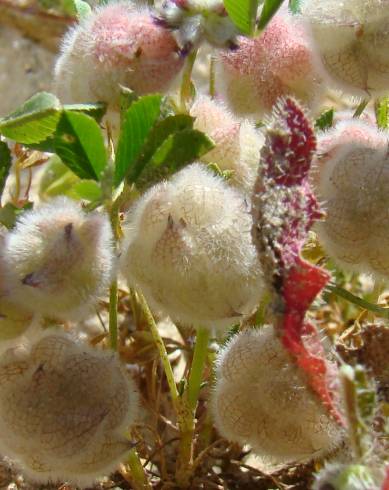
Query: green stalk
point(212, 77)
point(361, 107)
point(188, 413)
point(350, 399)
point(113, 291)
point(356, 300)
point(113, 315)
point(161, 349)
point(197, 368)
point(138, 475)
point(186, 90)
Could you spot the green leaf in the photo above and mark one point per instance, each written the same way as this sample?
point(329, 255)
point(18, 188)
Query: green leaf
point(97, 110)
point(9, 214)
point(361, 107)
point(181, 148)
point(80, 8)
point(138, 122)
point(356, 300)
point(243, 14)
point(127, 97)
point(294, 6)
point(382, 112)
point(269, 8)
point(5, 164)
point(57, 179)
point(176, 151)
point(158, 134)
point(325, 120)
point(86, 189)
point(79, 143)
point(34, 121)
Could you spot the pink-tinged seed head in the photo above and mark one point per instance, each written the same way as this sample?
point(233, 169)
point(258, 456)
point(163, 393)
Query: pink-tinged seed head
point(279, 62)
point(117, 44)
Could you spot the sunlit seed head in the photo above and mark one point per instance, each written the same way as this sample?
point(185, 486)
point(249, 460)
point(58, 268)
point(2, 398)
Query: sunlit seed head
point(64, 410)
point(353, 40)
point(59, 258)
point(352, 179)
point(118, 44)
point(187, 239)
point(237, 143)
point(261, 399)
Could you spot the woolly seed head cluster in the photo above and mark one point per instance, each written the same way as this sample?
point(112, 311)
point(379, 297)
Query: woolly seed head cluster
point(59, 259)
point(118, 44)
point(279, 62)
point(352, 178)
point(237, 143)
point(189, 249)
point(353, 39)
point(64, 410)
point(261, 399)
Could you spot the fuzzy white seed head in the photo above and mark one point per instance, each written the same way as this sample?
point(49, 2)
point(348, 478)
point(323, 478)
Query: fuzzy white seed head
point(337, 476)
point(261, 399)
point(118, 44)
point(237, 144)
point(279, 62)
point(353, 39)
point(351, 177)
point(59, 259)
point(64, 410)
point(190, 250)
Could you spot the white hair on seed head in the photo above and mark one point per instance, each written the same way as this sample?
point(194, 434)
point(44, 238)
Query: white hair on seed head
point(261, 399)
point(237, 143)
point(189, 248)
point(60, 259)
point(353, 40)
point(64, 410)
point(351, 177)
